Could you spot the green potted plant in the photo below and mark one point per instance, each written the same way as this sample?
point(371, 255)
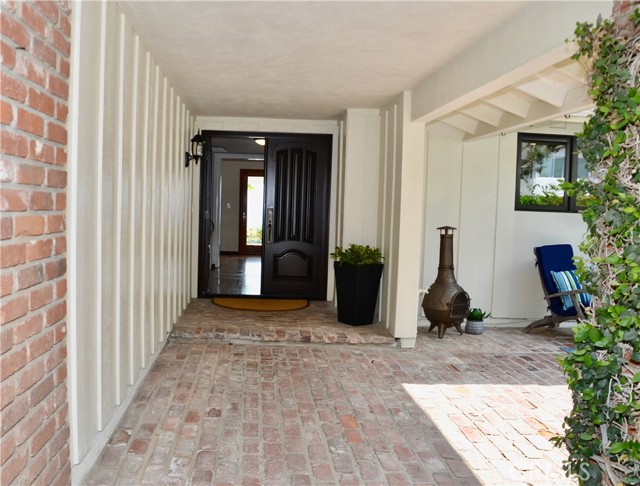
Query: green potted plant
point(358, 269)
point(475, 321)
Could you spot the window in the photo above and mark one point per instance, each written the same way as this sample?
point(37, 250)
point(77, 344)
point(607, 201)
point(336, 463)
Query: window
point(545, 161)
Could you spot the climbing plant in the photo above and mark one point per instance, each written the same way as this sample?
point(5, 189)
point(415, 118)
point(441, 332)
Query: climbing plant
point(602, 431)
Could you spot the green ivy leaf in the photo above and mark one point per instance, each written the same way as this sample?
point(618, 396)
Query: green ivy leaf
point(588, 361)
point(581, 332)
point(616, 448)
point(608, 143)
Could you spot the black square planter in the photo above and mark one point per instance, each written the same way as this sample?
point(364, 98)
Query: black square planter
point(357, 292)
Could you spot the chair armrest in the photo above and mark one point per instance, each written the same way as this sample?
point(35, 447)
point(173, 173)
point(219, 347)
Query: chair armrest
point(577, 305)
point(568, 292)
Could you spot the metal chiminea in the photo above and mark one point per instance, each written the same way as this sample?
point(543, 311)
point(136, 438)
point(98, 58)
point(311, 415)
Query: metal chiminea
point(446, 303)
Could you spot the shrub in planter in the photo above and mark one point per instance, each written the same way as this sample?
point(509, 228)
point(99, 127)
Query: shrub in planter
point(475, 321)
point(358, 269)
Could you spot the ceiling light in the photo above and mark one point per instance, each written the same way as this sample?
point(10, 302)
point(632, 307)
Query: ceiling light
point(259, 141)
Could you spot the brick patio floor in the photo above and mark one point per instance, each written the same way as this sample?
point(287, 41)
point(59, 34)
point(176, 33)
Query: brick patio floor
point(460, 410)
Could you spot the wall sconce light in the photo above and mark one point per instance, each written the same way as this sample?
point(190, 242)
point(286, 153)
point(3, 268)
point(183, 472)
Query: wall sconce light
point(197, 149)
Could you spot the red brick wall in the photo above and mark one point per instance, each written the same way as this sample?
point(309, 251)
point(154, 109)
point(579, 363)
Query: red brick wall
point(624, 7)
point(34, 430)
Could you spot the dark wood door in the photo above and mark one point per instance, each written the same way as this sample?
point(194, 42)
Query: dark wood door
point(296, 229)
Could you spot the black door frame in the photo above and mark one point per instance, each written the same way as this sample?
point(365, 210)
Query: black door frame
point(204, 220)
point(206, 196)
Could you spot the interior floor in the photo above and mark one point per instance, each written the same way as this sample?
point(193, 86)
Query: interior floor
point(236, 275)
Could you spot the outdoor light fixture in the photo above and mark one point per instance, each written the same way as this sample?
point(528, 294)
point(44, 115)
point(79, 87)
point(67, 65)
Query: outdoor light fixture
point(197, 149)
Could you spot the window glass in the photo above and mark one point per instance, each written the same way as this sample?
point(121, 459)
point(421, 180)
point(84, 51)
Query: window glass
point(543, 165)
point(583, 173)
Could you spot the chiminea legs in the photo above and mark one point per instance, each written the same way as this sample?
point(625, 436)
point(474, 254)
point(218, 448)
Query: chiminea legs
point(442, 328)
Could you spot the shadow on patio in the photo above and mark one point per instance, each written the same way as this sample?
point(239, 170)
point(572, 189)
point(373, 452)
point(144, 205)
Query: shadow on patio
point(459, 410)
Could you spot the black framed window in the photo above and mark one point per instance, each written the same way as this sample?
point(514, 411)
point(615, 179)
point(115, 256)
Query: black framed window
point(544, 162)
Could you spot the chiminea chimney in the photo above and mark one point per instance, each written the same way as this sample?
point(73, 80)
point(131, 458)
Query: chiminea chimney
point(446, 303)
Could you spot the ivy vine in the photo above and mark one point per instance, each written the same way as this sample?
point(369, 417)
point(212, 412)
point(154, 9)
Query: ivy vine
point(602, 431)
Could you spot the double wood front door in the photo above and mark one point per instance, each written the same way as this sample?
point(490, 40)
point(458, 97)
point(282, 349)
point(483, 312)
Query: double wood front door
point(295, 230)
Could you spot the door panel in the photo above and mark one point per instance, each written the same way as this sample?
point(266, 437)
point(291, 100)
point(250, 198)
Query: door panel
point(295, 253)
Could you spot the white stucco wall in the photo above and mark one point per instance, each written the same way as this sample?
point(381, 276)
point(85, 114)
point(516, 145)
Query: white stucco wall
point(129, 201)
point(471, 186)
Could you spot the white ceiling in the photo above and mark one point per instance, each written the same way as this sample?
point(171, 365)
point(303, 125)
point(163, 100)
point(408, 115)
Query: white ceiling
point(307, 59)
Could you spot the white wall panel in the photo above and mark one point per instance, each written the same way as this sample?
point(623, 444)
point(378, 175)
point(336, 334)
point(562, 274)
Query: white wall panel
point(152, 207)
point(129, 200)
point(145, 189)
point(168, 210)
point(123, 207)
point(108, 344)
point(477, 230)
point(517, 291)
point(472, 186)
point(135, 211)
point(443, 175)
point(163, 216)
point(82, 233)
point(174, 191)
point(401, 214)
point(390, 129)
point(360, 177)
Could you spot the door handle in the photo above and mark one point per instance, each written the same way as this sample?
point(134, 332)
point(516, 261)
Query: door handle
point(269, 225)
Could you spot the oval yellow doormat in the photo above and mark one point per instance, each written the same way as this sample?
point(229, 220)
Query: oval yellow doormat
point(261, 304)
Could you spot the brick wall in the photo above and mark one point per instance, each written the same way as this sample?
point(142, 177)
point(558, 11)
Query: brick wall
point(34, 430)
point(620, 13)
point(624, 7)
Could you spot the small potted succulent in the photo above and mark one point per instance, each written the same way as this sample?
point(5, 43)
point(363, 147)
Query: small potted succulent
point(358, 269)
point(475, 321)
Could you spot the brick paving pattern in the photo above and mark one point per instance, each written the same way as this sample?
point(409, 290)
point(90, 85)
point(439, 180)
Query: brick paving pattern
point(315, 324)
point(249, 413)
point(501, 431)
